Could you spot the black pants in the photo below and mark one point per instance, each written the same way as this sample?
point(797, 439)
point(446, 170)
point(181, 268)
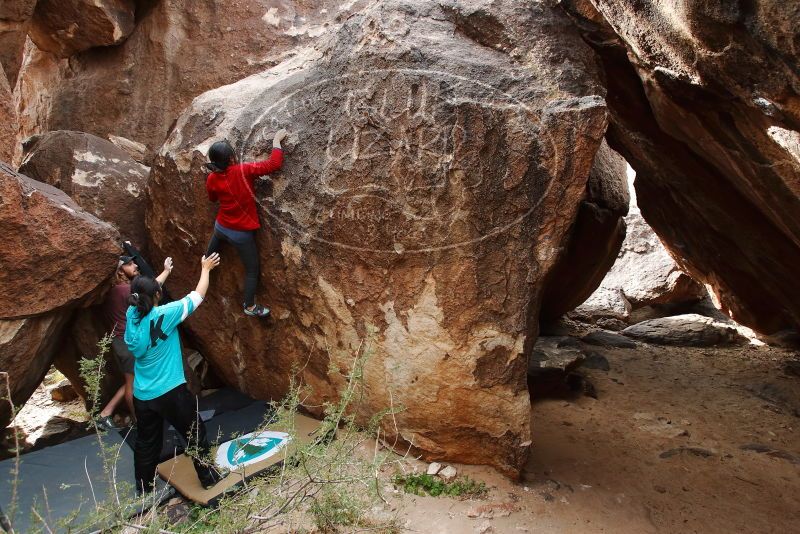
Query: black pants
point(248, 253)
point(179, 407)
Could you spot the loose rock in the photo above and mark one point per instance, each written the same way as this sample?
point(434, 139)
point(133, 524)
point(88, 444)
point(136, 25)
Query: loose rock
point(595, 360)
point(63, 392)
point(554, 353)
point(608, 339)
point(492, 510)
point(448, 474)
point(434, 468)
point(685, 330)
point(694, 451)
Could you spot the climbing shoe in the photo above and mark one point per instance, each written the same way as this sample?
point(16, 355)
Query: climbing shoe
point(257, 311)
point(210, 477)
point(105, 422)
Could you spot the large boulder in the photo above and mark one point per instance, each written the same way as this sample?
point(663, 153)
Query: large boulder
point(177, 50)
point(595, 238)
point(65, 27)
point(705, 101)
point(54, 258)
point(437, 158)
point(100, 177)
point(53, 253)
point(643, 275)
point(14, 17)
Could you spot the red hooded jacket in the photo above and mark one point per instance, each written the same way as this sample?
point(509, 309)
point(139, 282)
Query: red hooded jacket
point(233, 188)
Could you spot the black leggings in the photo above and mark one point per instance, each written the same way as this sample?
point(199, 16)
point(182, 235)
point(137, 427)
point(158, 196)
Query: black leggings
point(179, 407)
point(248, 253)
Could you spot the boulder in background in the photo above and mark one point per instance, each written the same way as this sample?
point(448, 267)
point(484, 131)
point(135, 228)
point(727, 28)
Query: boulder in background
point(100, 177)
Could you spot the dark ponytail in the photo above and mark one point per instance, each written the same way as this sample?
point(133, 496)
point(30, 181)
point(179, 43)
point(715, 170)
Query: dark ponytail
point(143, 295)
point(221, 154)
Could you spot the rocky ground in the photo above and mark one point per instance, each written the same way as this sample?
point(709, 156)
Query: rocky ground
point(678, 440)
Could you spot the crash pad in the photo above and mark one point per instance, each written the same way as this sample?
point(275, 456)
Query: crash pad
point(244, 457)
point(62, 482)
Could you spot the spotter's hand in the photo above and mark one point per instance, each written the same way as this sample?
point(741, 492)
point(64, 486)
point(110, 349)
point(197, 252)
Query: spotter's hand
point(209, 263)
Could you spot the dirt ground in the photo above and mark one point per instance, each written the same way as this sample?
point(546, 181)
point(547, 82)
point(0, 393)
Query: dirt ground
point(678, 440)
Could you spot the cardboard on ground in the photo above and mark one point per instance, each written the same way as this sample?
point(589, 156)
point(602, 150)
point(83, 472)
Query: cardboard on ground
point(179, 471)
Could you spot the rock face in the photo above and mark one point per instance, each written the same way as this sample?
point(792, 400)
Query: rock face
point(423, 200)
point(706, 108)
point(178, 50)
point(80, 340)
point(27, 349)
point(99, 176)
point(685, 330)
point(8, 121)
point(53, 253)
point(65, 27)
point(55, 256)
point(14, 16)
point(595, 239)
point(644, 274)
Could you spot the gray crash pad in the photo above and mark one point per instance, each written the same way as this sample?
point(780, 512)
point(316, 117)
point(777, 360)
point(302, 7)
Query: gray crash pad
point(62, 483)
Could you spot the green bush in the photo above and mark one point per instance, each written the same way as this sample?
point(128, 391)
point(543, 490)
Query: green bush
point(421, 484)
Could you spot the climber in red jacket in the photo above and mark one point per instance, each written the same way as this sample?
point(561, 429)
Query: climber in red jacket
point(231, 184)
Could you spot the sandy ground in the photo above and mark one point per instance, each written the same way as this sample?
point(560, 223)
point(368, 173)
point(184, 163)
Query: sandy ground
point(659, 450)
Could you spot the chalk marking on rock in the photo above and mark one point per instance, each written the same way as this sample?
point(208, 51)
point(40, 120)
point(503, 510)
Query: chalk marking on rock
point(86, 179)
point(271, 17)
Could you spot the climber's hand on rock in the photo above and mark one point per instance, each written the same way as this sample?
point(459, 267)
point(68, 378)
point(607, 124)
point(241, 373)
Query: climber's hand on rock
point(209, 263)
point(168, 264)
point(280, 135)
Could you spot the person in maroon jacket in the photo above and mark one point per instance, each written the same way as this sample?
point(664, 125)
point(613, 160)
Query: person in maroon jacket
point(115, 307)
point(231, 184)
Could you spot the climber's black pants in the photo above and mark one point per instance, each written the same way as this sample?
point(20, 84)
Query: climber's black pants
point(245, 245)
point(179, 408)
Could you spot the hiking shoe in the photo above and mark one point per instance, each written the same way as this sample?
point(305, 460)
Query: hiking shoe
point(105, 423)
point(257, 311)
point(210, 477)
